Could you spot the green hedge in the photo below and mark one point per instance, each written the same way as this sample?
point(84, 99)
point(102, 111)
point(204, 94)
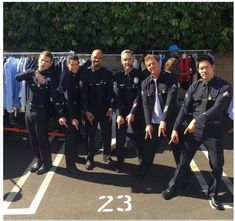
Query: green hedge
point(113, 26)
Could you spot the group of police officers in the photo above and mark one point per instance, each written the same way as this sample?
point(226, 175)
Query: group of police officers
point(146, 101)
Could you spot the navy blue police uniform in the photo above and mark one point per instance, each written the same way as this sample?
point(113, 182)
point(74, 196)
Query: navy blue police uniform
point(97, 98)
point(208, 108)
point(127, 93)
point(38, 102)
point(71, 85)
point(167, 95)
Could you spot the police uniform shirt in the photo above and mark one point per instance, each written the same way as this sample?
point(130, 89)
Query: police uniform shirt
point(166, 92)
point(127, 90)
point(72, 90)
point(219, 95)
point(39, 94)
point(96, 88)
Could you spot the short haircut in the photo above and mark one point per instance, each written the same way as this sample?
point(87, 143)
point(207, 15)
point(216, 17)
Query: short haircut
point(171, 65)
point(150, 57)
point(72, 57)
point(127, 51)
point(205, 57)
point(47, 54)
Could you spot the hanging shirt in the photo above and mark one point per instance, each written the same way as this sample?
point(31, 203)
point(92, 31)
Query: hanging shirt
point(157, 111)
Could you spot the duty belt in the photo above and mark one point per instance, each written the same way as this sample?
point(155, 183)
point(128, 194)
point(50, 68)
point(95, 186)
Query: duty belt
point(37, 105)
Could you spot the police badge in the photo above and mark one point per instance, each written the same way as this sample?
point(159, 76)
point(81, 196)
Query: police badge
point(136, 80)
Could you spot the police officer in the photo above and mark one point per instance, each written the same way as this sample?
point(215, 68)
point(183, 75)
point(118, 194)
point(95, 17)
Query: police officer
point(97, 105)
point(159, 96)
point(127, 90)
point(207, 99)
point(72, 119)
point(41, 86)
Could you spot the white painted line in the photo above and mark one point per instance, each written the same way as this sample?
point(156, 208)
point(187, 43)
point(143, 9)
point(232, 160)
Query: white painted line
point(42, 189)
point(224, 176)
point(18, 186)
point(204, 185)
point(21, 211)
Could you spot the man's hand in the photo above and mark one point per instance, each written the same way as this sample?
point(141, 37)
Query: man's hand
point(148, 131)
point(130, 118)
point(75, 123)
point(120, 120)
point(41, 79)
point(191, 127)
point(109, 113)
point(162, 129)
point(174, 137)
point(90, 117)
point(63, 121)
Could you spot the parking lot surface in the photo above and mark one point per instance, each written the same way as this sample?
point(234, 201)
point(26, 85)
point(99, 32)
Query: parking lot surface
point(104, 194)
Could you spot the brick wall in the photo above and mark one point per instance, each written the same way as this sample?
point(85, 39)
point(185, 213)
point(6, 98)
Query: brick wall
point(224, 66)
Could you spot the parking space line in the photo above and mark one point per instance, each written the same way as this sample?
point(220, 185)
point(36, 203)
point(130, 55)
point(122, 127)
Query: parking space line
point(41, 191)
point(225, 178)
point(45, 184)
point(18, 186)
point(204, 185)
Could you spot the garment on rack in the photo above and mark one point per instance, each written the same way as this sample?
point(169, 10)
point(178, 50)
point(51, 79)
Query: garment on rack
point(11, 87)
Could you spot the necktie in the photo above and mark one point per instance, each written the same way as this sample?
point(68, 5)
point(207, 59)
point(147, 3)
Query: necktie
point(204, 98)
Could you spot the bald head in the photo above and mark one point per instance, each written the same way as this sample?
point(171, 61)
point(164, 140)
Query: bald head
point(97, 58)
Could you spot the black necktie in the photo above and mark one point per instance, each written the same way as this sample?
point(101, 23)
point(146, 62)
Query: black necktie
point(204, 98)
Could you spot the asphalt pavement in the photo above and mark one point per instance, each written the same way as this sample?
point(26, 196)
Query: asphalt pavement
point(104, 194)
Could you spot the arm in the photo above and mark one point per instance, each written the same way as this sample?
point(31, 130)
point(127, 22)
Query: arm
point(217, 110)
point(27, 75)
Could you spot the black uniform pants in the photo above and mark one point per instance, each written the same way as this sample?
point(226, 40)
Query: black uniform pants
point(138, 137)
point(106, 130)
point(36, 119)
point(216, 161)
point(150, 148)
point(71, 142)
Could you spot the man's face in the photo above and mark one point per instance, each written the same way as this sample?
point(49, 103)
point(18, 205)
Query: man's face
point(97, 58)
point(153, 67)
point(206, 70)
point(73, 66)
point(44, 62)
point(127, 61)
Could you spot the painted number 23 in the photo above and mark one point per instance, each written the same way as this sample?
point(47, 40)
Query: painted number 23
point(126, 200)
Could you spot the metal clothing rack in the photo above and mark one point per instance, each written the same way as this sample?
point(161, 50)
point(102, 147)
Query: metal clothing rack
point(5, 53)
point(186, 51)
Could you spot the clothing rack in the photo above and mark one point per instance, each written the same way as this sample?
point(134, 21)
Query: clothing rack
point(188, 51)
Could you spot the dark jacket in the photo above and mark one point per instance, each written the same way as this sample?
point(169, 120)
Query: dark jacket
point(97, 91)
point(167, 94)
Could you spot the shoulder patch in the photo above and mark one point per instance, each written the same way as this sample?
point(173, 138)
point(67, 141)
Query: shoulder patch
point(226, 94)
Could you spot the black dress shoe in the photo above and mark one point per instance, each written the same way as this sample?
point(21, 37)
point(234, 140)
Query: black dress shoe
point(43, 169)
point(89, 165)
point(108, 160)
point(74, 171)
point(168, 193)
point(216, 203)
point(36, 166)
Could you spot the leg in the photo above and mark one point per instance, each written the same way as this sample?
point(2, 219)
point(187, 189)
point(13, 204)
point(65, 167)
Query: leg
point(216, 161)
point(139, 134)
point(150, 148)
point(186, 156)
point(90, 134)
point(120, 141)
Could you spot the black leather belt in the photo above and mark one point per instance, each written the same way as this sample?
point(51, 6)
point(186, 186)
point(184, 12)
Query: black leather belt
point(36, 105)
